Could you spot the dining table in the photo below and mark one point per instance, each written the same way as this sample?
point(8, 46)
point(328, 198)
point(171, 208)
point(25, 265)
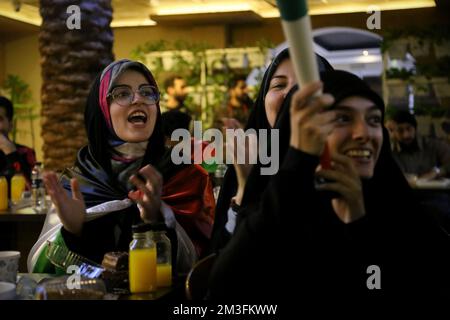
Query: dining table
point(30, 284)
point(20, 227)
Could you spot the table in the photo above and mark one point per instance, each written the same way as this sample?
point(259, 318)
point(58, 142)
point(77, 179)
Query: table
point(173, 293)
point(435, 200)
point(19, 230)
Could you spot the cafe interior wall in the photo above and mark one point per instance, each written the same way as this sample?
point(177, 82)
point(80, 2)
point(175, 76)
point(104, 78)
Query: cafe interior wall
point(21, 56)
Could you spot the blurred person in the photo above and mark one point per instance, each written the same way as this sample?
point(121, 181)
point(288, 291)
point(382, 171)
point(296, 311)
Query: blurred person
point(425, 157)
point(11, 153)
point(172, 120)
point(176, 93)
point(238, 104)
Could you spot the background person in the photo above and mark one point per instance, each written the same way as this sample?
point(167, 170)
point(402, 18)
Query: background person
point(425, 157)
point(11, 153)
point(176, 93)
point(238, 104)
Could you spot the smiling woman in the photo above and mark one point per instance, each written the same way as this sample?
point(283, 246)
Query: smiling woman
point(96, 205)
point(333, 241)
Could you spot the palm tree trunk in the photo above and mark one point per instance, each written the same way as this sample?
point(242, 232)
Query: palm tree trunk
point(70, 60)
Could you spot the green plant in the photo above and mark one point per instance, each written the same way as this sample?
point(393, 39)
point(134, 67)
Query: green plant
point(395, 73)
point(434, 33)
point(441, 68)
point(428, 110)
point(207, 79)
point(20, 95)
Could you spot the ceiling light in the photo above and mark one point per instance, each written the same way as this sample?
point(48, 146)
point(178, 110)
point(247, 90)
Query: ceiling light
point(205, 8)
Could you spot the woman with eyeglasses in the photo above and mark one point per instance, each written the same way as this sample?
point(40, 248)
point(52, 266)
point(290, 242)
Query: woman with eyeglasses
point(124, 176)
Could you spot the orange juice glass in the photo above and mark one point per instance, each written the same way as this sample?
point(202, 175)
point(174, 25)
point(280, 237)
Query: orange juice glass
point(142, 271)
point(17, 187)
point(3, 193)
point(164, 275)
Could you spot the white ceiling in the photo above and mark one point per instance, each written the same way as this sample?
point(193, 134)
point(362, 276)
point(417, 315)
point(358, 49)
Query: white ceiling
point(140, 12)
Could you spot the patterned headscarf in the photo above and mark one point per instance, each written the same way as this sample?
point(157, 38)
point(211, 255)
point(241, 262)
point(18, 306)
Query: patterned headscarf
point(107, 80)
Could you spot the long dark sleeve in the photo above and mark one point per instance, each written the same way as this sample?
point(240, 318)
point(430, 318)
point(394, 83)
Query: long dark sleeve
point(264, 239)
point(293, 239)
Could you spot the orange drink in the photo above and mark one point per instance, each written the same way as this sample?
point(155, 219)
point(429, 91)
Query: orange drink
point(17, 187)
point(3, 193)
point(164, 275)
point(142, 272)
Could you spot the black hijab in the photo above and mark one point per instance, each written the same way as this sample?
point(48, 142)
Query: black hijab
point(395, 234)
point(387, 174)
point(256, 182)
point(341, 84)
point(257, 120)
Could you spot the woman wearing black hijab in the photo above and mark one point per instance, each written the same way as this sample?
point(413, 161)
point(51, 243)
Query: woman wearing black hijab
point(360, 235)
point(125, 176)
point(278, 79)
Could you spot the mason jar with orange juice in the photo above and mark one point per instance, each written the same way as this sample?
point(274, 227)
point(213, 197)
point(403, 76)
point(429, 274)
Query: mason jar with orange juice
point(18, 184)
point(163, 255)
point(142, 260)
point(3, 193)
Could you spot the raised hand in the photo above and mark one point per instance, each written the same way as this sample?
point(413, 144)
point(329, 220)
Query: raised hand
point(244, 155)
point(148, 195)
point(71, 210)
point(310, 121)
point(344, 179)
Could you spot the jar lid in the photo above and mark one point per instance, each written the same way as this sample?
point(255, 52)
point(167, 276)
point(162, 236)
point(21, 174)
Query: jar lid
point(159, 226)
point(141, 228)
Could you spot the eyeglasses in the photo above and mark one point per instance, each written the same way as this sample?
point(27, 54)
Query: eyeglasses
point(124, 96)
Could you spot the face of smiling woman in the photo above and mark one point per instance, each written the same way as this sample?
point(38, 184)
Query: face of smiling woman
point(358, 133)
point(136, 122)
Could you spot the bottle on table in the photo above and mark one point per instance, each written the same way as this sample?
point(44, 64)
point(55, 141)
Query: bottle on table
point(3, 193)
point(38, 189)
point(142, 260)
point(163, 255)
point(218, 179)
point(18, 184)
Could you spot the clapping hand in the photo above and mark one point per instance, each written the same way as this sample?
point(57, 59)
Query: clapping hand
point(71, 210)
point(243, 156)
point(148, 194)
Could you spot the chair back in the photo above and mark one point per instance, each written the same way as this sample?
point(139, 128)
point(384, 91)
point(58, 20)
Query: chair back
point(196, 285)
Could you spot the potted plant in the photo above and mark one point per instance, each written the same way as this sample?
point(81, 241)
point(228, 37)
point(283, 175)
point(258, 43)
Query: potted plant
point(442, 42)
point(419, 42)
point(394, 44)
point(398, 81)
point(441, 80)
point(20, 96)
